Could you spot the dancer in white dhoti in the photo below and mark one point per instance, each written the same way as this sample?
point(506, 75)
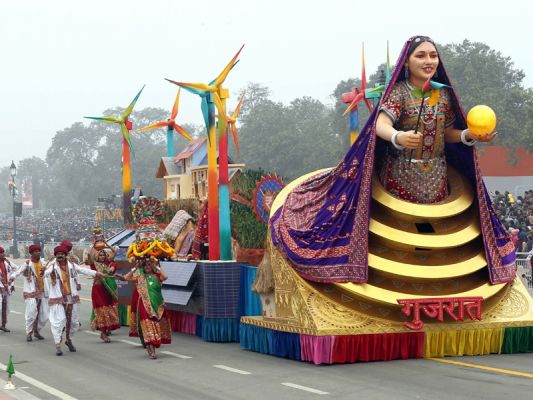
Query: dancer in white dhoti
point(63, 295)
point(35, 293)
point(76, 324)
point(7, 271)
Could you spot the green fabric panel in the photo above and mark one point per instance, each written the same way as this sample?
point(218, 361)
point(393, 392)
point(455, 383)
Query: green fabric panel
point(123, 314)
point(154, 291)
point(518, 340)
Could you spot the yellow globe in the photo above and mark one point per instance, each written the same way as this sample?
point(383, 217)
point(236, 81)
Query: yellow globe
point(481, 121)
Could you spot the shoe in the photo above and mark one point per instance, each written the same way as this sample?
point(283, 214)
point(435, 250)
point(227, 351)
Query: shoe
point(3, 328)
point(59, 352)
point(37, 335)
point(28, 338)
point(70, 346)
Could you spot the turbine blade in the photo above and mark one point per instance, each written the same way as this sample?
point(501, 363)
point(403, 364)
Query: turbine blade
point(238, 109)
point(363, 72)
point(182, 132)
point(106, 119)
point(222, 76)
point(220, 107)
point(160, 124)
point(354, 102)
point(126, 135)
point(236, 139)
point(198, 87)
point(128, 110)
point(176, 105)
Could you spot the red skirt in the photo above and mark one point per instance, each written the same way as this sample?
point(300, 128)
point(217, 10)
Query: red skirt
point(155, 332)
point(105, 310)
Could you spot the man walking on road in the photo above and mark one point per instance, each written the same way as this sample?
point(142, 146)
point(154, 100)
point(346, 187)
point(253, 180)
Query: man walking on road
point(63, 295)
point(35, 293)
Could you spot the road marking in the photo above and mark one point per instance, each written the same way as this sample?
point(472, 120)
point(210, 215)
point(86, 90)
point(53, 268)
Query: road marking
point(307, 389)
point(484, 367)
point(237, 371)
point(48, 389)
point(175, 354)
point(130, 342)
point(15, 312)
point(92, 333)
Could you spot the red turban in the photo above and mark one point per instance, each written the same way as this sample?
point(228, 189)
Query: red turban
point(1, 249)
point(34, 247)
point(60, 249)
point(67, 244)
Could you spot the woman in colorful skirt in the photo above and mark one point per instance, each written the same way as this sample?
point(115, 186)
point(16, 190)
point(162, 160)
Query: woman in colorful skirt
point(152, 323)
point(105, 297)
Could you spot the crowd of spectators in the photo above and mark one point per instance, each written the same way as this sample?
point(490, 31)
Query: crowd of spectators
point(74, 224)
point(516, 215)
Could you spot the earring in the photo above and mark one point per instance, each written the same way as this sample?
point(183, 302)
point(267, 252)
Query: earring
point(406, 72)
point(436, 75)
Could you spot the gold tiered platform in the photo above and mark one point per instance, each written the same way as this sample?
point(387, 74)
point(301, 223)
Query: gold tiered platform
point(416, 251)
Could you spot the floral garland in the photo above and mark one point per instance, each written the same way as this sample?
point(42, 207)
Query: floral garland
point(146, 247)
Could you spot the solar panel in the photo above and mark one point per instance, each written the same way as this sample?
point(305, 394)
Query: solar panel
point(177, 295)
point(119, 237)
point(179, 272)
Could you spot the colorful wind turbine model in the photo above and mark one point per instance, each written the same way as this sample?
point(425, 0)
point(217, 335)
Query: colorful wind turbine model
point(125, 127)
point(171, 127)
point(223, 175)
point(352, 99)
point(211, 93)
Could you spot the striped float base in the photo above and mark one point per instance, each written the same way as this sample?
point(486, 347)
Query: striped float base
point(384, 346)
point(209, 329)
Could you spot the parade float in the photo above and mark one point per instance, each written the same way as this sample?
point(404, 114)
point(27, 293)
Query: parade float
point(366, 276)
point(426, 285)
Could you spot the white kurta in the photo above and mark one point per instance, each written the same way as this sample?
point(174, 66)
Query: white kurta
point(57, 301)
point(36, 300)
point(5, 290)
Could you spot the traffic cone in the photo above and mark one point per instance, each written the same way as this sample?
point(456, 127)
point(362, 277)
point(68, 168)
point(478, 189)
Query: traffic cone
point(10, 371)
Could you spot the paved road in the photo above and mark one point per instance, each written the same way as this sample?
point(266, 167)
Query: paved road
point(190, 368)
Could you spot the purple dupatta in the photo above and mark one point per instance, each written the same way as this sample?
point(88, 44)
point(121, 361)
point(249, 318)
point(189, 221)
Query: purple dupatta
point(322, 228)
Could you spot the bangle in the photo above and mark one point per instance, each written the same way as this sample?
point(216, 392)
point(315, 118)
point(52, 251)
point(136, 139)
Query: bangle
point(393, 141)
point(470, 142)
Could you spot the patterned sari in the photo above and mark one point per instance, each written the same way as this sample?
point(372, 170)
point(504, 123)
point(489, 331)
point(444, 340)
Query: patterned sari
point(152, 322)
point(105, 299)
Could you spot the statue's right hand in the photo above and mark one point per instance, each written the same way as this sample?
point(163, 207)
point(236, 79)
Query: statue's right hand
point(409, 139)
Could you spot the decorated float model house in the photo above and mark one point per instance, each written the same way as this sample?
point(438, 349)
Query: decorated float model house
point(185, 176)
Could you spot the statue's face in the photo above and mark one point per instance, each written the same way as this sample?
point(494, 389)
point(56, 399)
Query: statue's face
point(423, 62)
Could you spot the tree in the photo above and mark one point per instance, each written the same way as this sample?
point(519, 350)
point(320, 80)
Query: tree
point(255, 93)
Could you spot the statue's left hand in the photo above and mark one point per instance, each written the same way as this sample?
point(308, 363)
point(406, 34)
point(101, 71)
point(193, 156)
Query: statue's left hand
point(487, 138)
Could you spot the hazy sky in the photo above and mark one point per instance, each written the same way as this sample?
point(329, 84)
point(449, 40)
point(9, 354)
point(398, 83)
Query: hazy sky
point(63, 59)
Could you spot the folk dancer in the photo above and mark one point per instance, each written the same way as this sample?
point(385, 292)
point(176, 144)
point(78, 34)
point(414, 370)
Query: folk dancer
point(105, 297)
point(152, 322)
point(63, 295)
point(35, 293)
point(7, 271)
